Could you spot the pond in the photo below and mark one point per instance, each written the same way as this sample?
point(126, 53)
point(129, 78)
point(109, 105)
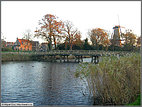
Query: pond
point(43, 83)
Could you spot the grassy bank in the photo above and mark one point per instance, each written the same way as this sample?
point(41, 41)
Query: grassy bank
point(114, 81)
point(28, 57)
point(16, 57)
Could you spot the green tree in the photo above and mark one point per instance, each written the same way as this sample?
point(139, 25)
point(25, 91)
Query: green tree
point(86, 45)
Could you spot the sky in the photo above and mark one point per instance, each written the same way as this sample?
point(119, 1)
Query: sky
point(19, 16)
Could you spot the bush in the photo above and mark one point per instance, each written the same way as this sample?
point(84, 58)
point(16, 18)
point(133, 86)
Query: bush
point(115, 81)
point(7, 49)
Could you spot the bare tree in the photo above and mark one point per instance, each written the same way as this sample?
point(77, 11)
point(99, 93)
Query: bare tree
point(28, 35)
point(70, 33)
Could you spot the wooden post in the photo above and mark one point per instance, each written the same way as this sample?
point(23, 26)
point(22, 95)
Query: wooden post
point(78, 58)
point(81, 58)
point(60, 58)
point(67, 59)
point(75, 58)
point(64, 58)
point(95, 59)
point(92, 59)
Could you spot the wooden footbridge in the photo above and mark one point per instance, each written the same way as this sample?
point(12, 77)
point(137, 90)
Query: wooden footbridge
point(76, 55)
point(71, 55)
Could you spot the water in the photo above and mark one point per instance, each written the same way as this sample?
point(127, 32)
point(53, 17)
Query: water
point(42, 83)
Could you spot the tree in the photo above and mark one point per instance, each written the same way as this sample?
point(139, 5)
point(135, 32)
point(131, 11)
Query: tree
point(139, 41)
point(86, 45)
point(70, 32)
point(77, 42)
point(50, 29)
point(98, 37)
point(129, 38)
point(28, 35)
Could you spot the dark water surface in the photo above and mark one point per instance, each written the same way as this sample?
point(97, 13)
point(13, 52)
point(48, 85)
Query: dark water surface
point(42, 83)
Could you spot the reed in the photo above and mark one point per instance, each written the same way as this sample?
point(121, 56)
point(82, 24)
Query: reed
point(114, 81)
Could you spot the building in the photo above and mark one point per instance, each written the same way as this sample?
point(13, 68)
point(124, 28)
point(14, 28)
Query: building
point(116, 36)
point(35, 45)
point(10, 45)
point(23, 44)
point(44, 47)
point(3, 43)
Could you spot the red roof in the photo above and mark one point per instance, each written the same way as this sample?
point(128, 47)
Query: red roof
point(10, 43)
point(23, 40)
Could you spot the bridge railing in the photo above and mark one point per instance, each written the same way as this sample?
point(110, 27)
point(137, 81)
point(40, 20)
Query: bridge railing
point(87, 52)
point(72, 51)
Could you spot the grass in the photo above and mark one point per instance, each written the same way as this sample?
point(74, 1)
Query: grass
point(137, 102)
point(15, 57)
point(114, 81)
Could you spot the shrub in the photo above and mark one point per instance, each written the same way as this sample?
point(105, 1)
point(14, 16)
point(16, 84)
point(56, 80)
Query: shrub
point(7, 49)
point(115, 81)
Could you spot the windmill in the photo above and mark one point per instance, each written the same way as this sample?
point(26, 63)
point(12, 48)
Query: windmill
point(118, 35)
point(121, 34)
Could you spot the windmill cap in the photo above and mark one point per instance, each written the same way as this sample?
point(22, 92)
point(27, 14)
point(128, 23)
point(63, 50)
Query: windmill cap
point(116, 27)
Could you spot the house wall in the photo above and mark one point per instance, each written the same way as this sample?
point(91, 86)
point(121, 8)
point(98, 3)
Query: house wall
point(25, 46)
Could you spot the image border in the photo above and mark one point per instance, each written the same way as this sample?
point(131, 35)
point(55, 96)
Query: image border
point(74, 1)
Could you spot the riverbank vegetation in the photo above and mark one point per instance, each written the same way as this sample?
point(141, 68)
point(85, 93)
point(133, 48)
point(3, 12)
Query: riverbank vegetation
point(114, 81)
point(16, 57)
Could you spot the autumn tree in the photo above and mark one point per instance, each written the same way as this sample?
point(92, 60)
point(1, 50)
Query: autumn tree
point(139, 41)
point(98, 37)
point(77, 38)
point(77, 42)
point(50, 29)
point(70, 33)
point(129, 38)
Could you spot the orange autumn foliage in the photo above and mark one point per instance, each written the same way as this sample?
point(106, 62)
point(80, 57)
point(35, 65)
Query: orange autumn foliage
point(50, 29)
point(99, 36)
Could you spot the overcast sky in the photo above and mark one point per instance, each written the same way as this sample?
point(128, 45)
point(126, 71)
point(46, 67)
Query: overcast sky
point(18, 16)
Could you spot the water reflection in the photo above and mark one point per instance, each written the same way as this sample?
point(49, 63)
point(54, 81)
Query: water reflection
point(42, 83)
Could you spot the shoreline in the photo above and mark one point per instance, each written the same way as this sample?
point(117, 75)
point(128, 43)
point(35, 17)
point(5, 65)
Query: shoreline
point(29, 57)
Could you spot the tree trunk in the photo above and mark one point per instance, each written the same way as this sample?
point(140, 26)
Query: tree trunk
point(50, 43)
point(71, 45)
point(55, 42)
